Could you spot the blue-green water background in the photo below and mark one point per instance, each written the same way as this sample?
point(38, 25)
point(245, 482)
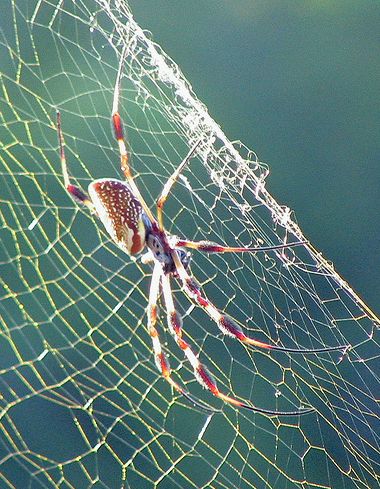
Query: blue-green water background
point(299, 83)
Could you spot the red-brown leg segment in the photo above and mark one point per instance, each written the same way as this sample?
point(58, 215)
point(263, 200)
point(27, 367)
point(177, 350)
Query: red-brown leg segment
point(226, 324)
point(74, 191)
point(201, 373)
point(211, 247)
point(159, 356)
point(124, 163)
point(119, 135)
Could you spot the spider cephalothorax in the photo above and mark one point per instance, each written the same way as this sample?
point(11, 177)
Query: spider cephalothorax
point(158, 244)
point(131, 225)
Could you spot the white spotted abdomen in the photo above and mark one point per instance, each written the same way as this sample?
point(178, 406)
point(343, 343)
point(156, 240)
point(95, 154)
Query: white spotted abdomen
point(120, 212)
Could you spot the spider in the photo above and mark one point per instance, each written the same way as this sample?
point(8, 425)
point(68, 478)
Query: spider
point(130, 223)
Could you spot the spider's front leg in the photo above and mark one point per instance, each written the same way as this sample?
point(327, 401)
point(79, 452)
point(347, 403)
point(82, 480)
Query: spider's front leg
point(73, 190)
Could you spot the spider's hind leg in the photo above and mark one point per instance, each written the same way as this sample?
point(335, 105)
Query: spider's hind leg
point(73, 190)
point(117, 124)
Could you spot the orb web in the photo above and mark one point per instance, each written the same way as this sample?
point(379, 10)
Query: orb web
point(82, 402)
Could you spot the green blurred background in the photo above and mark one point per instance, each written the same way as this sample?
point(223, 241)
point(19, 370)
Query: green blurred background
point(298, 82)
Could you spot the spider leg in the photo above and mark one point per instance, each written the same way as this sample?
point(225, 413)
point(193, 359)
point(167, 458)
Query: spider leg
point(226, 324)
point(211, 247)
point(170, 182)
point(73, 190)
point(160, 357)
point(201, 373)
point(119, 135)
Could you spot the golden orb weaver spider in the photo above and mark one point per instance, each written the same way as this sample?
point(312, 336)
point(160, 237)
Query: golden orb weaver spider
point(130, 223)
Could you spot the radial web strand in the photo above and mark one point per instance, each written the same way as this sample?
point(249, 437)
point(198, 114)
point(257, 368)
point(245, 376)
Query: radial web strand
point(83, 404)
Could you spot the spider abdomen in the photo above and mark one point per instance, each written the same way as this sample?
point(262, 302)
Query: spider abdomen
point(120, 212)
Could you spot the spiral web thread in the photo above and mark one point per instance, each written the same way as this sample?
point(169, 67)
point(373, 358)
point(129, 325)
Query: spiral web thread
point(82, 404)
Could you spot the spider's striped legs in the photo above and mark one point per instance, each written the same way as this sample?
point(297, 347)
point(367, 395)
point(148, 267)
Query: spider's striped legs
point(119, 135)
point(201, 373)
point(159, 356)
point(211, 247)
point(73, 190)
point(226, 324)
point(169, 184)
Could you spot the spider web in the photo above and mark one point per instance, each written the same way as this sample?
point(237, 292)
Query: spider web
point(82, 402)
